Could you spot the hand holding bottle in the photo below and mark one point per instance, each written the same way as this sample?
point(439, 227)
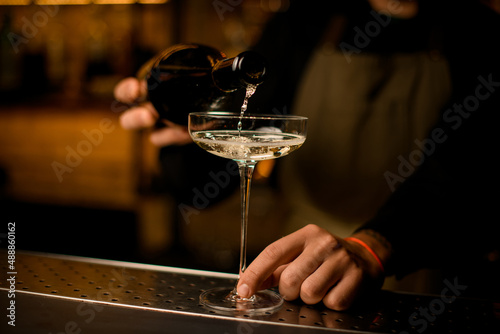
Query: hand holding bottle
point(182, 79)
point(142, 115)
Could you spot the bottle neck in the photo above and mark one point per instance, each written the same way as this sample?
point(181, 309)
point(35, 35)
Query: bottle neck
point(247, 68)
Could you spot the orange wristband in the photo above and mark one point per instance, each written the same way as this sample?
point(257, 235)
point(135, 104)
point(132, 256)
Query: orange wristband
point(362, 243)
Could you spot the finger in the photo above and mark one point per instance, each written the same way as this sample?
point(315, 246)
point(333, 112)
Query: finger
point(341, 297)
point(301, 278)
point(316, 286)
point(297, 272)
point(140, 117)
point(130, 90)
point(273, 279)
point(273, 256)
point(170, 135)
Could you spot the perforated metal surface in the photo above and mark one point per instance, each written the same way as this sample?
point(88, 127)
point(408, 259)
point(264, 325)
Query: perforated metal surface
point(175, 291)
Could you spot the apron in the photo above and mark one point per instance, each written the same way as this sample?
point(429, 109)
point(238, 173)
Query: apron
point(364, 115)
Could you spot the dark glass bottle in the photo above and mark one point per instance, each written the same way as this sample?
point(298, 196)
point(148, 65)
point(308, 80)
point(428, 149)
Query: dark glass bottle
point(191, 77)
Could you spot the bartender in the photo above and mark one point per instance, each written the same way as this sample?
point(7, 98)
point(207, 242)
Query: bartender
point(440, 216)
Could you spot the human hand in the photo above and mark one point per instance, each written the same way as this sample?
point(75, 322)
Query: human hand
point(142, 115)
point(315, 265)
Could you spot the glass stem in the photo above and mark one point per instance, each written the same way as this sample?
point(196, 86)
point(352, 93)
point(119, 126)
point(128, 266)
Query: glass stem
point(246, 172)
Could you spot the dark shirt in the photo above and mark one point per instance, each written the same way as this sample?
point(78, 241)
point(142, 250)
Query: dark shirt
point(444, 215)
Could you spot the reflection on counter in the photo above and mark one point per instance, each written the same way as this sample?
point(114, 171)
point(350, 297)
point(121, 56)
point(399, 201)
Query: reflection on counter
point(168, 295)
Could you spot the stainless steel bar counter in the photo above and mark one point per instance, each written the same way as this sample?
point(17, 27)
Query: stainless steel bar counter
point(50, 293)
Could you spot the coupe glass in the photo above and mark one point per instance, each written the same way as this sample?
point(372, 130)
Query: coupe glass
point(247, 140)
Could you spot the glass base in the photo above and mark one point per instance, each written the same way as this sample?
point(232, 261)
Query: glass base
point(226, 301)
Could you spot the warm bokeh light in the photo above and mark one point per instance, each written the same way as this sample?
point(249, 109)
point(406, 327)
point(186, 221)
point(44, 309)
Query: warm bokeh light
point(79, 2)
point(15, 2)
point(153, 2)
point(62, 2)
point(63, 153)
point(114, 2)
